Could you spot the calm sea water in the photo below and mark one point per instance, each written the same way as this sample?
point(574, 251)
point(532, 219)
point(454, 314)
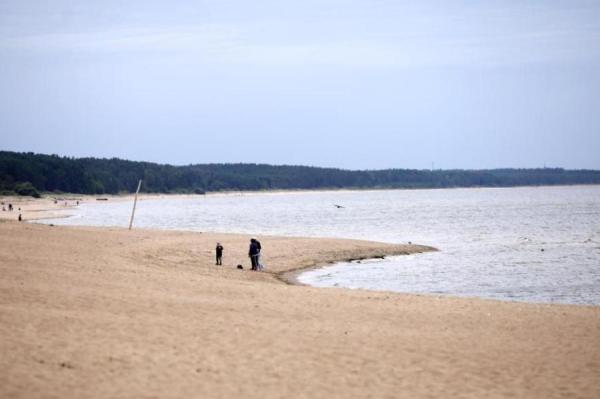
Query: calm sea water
point(537, 244)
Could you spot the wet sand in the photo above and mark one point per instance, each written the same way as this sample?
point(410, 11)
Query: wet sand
point(94, 312)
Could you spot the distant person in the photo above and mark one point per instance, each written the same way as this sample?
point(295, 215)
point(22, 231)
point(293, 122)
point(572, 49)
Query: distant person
point(253, 254)
point(258, 256)
point(20, 218)
point(10, 208)
point(219, 252)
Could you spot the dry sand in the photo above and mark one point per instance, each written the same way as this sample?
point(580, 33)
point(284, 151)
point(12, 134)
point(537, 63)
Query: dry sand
point(90, 312)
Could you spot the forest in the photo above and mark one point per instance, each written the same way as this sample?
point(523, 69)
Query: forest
point(34, 174)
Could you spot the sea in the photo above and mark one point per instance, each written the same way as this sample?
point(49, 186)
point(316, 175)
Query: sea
point(532, 244)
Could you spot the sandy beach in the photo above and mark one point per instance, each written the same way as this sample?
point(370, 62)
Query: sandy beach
point(96, 312)
point(60, 205)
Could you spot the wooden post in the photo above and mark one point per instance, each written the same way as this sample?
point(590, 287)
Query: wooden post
point(134, 204)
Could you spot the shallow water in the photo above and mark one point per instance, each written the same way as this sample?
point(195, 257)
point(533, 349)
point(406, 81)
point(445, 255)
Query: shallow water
point(539, 244)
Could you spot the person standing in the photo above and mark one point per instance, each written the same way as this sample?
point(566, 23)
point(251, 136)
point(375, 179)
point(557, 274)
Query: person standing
point(219, 253)
point(253, 254)
point(259, 265)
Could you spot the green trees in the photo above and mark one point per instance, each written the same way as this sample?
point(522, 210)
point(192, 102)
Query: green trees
point(26, 189)
point(26, 173)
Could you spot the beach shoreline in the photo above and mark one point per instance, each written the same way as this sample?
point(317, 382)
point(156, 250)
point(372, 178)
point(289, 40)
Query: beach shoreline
point(36, 209)
point(291, 276)
point(94, 312)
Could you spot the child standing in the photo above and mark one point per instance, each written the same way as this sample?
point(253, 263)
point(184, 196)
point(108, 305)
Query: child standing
point(219, 252)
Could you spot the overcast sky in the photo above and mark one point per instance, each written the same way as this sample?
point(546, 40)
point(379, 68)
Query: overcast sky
point(363, 84)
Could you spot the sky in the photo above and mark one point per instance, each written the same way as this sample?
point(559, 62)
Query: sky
point(354, 84)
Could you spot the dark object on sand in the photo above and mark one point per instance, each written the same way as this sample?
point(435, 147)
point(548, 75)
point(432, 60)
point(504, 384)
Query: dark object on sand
point(20, 218)
point(101, 199)
point(240, 267)
point(337, 206)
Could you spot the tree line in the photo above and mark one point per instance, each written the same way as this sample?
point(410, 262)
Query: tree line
point(30, 174)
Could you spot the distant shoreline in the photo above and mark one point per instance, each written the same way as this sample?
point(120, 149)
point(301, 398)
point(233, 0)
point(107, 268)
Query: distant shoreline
point(153, 195)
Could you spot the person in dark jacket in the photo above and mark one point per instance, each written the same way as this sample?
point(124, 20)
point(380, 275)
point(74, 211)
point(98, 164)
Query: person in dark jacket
point(253, 254)
point(219, 252)
point(259, 265)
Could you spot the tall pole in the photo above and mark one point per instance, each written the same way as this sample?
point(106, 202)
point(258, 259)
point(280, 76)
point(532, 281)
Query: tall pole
point(134, 204)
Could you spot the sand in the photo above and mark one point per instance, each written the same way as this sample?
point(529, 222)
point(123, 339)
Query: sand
point(35, 209)
point(96, 313)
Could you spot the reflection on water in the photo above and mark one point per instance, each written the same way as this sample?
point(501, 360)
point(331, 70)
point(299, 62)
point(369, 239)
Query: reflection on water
point(537, 244)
